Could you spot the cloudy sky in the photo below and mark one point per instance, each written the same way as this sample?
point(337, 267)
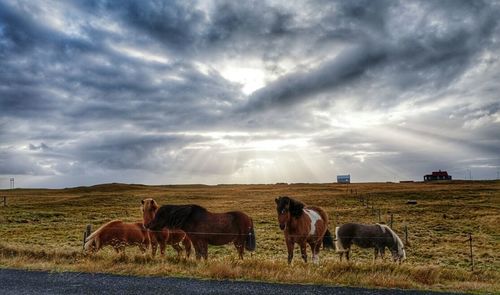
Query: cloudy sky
point(163, 92)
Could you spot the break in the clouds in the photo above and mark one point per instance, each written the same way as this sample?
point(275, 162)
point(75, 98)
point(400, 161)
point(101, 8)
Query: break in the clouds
point(247, 92)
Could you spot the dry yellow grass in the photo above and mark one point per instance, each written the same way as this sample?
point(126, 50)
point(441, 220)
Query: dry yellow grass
point(42, 229)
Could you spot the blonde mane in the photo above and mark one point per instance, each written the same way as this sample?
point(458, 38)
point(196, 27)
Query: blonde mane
point(401, 249)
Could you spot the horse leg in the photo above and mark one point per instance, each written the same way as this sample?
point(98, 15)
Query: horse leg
point(187, 246)
point(347, 254)
point(317, 247)
point(290, 245)
point(163, 245)
point(143, 247)
point(153, 242)
point(315, 251)
point(154, 245)
point(204, 247)
point(178, 249)
point(197, 248)
point(239, 248)
point(375, 254)
point(303, 250)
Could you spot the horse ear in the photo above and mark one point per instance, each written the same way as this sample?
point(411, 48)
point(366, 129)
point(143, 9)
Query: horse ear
point(277, 201)
point(142, 202)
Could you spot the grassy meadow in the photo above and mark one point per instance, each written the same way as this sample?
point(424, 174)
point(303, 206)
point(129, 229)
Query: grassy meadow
point(43, 229)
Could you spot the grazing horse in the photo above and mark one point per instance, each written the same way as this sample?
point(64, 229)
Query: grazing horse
point(163, 236)
point(303, 225)
point(377, 236)
point(204, 227)
point(118, 235)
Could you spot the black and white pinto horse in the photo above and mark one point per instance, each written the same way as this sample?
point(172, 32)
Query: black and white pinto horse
point(377, 236)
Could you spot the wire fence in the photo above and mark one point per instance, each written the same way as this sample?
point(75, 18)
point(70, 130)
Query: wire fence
point(368, 202)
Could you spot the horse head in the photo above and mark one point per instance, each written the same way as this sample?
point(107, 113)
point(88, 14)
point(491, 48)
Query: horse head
point(287, 208)
point(398, 252)
point(398, 248)
point(148, 208)
point(159, 219)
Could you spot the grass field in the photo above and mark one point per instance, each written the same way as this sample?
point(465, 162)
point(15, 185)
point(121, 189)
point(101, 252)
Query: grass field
point(42, 229)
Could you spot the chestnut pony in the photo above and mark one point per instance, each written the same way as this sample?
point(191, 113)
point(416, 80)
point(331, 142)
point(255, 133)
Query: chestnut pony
point(163, 236)
point(204, 227)
point(118, 235)
point(303, 225)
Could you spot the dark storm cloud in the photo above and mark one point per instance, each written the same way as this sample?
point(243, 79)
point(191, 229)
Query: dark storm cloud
point(430, 55)
point(128, 151)
point(110, 86)
point(177, 24)
point(294, 87)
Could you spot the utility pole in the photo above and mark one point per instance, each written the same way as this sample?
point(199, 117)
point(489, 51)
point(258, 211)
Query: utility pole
point(12, 183)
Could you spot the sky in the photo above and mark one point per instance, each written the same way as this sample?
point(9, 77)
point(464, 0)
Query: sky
point(177, 92)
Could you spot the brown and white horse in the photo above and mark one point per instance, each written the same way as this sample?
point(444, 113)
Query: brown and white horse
point(163, 236)
point(303, 225)
point(204, 227)
point(118, 235)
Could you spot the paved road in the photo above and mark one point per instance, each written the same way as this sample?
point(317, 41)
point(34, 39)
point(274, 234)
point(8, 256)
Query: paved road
point(40, 282)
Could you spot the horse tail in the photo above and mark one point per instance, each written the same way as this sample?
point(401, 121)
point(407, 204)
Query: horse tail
point(339, 247)
point(250, 240)
point(328, 240)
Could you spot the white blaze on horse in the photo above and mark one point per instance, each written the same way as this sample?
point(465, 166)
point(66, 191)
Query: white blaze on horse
point(377, 236)
point(303, 225)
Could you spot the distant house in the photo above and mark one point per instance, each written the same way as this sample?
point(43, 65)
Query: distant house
point(437, 175)
point(344, 178)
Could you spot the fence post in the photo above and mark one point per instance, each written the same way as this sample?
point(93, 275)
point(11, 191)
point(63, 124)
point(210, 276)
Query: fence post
point(406, 234)
point(392, 219)
point(84, 239)
point(5, 201)
point(86, 233)
point(471, 256)
point(379, 216)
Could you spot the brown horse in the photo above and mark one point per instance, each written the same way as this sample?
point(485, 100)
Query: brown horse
point(163, 236)
point(303, 225)
point(118, 235)
point(204, 227)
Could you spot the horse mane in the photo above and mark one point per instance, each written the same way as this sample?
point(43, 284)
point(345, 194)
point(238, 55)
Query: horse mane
point(395, 237)
point(177, 215)
point(295, 207)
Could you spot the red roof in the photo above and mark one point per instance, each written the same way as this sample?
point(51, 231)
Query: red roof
point(440, 173)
